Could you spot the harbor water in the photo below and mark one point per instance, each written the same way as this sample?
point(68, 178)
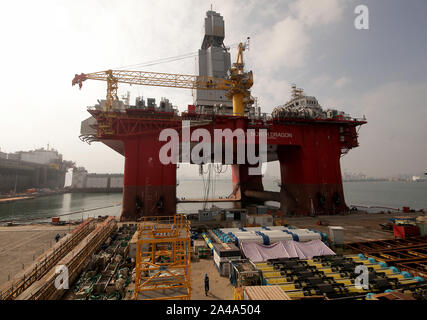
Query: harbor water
point(372, 196)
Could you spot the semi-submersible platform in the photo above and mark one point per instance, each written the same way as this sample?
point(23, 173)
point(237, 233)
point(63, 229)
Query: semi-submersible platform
point(307, 141)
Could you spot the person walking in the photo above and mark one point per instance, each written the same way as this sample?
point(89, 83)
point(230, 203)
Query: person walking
point(206, 284)
point(57, 237)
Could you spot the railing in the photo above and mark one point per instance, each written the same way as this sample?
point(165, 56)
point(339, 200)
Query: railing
point(150, 226)
point(100, 234)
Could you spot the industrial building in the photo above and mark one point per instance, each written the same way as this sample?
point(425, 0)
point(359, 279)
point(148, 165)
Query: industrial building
point(82, 181)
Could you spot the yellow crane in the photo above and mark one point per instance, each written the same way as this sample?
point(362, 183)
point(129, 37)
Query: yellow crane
point(237, 84)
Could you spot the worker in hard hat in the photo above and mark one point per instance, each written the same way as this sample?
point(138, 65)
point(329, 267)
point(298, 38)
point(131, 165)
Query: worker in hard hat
point(206, 284)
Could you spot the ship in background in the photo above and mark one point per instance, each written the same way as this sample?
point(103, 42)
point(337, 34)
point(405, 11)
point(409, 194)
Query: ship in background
point(419, 178)
point(36, 169)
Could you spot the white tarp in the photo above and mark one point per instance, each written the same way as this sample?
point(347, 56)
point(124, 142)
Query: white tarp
point(285, 249)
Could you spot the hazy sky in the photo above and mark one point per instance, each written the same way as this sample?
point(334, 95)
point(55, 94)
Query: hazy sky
point(380, 73)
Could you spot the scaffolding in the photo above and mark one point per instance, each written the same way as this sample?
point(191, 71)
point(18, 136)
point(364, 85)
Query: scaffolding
point(163, 259)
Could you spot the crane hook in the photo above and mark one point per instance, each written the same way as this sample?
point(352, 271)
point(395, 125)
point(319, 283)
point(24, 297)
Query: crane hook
point(78, 79)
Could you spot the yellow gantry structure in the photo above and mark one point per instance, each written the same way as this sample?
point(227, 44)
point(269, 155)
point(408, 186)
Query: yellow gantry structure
point(163, 259)
point(237, 85)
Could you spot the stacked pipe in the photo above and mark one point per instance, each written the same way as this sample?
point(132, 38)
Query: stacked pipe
point(222, 235)
point(108, 273)
point(208, 241)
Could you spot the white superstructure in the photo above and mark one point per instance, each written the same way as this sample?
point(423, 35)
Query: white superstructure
point(305, 107)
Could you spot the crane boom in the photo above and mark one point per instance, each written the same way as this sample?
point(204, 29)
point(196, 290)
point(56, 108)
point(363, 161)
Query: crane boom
point(236, 86)
point(157, 79)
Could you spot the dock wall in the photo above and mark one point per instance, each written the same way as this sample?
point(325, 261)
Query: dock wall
point(83, 181)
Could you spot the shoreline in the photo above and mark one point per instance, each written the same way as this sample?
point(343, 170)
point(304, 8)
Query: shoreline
point(4, 199)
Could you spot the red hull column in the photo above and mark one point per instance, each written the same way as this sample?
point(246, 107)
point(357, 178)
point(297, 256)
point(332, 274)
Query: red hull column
point(311, 175)
point(149, 186)
point(242, 181)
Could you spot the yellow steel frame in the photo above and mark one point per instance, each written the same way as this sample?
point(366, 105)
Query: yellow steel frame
point(105, 126)
point(159, 79)
point(163, 258)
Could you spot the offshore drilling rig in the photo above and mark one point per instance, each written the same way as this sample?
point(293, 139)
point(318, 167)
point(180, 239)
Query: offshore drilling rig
point(307, 141)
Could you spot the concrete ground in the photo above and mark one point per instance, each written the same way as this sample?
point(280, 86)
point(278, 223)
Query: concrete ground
point(358, 227)
point(20, 245)
point(220, 288)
